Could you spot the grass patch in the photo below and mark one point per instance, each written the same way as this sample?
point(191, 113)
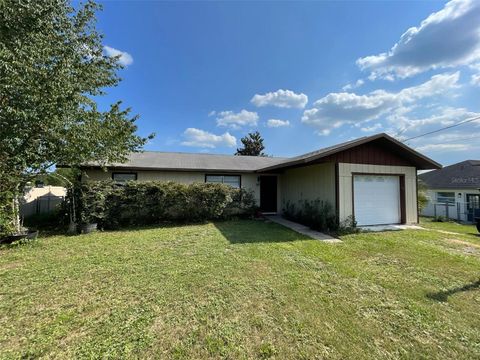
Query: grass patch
point(240, 289)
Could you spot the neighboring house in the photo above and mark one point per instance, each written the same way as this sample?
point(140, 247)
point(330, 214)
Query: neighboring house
point(42, 199)
point(454, 191)
point(372, 178)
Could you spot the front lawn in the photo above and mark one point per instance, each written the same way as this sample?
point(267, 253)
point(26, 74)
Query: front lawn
point(241, 289)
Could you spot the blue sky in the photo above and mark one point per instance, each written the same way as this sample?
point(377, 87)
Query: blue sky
point(305, 74)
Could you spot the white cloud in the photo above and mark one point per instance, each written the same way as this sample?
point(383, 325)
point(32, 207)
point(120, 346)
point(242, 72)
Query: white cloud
point(124, 59)
point(273, 123)
point(475, 79)
point(443, 147)
point(372, 128)
point(355, 85)
point(204, 139)
point(281, 98)
point(447, 38)
point(337, 109)
point(237, 120)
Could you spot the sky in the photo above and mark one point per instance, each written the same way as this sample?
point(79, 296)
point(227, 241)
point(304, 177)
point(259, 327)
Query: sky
point(201, 75)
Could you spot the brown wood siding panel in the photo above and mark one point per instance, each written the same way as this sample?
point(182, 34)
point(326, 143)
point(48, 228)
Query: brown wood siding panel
point(370, 153)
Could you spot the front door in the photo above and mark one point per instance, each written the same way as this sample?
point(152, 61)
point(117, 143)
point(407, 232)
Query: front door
point(473, 206)
point(268, 193)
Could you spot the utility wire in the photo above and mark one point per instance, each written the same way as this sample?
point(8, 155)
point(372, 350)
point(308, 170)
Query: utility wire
point(444, 128)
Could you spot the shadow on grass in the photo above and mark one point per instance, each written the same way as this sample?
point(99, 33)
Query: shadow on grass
point(256, 231)
point(442, 296)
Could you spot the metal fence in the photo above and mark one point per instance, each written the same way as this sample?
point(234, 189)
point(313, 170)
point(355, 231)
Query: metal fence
point(460, 211)
point(42, 204)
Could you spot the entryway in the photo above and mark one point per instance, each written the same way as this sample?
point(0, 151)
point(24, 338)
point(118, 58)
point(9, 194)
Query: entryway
point(268, 194)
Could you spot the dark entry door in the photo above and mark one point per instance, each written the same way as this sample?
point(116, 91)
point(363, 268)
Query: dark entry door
point(268, 193)
point(473, 206)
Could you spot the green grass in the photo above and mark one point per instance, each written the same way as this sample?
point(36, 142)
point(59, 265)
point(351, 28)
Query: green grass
point(241, 289)
point(448, 226)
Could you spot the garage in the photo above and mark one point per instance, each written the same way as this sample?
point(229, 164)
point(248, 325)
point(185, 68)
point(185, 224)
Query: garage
point(377, 199)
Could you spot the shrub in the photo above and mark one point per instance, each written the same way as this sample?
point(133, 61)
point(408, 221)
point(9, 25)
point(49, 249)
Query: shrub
point(316, 214)
point(319, 215)
point(112, 205)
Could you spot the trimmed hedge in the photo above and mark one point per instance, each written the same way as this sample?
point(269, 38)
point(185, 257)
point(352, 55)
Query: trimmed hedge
point(113, 205)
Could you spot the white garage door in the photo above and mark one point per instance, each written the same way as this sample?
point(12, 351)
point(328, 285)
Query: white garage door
point(376, 199)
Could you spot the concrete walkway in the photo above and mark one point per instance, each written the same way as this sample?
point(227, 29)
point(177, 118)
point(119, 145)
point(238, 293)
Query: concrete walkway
point(302, 229)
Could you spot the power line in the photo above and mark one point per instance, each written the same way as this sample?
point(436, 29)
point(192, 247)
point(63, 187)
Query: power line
point(444, 128)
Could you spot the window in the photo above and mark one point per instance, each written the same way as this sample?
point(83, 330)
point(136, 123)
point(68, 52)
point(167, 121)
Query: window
point(123, 177)
point(446, 197)
point(232, 180)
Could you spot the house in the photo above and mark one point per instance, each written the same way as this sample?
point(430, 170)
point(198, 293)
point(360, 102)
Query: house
point(454, 191)
point(373, 178)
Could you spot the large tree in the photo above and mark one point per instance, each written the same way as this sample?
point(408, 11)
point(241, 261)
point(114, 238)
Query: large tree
point(252, 145)
point(52, 71)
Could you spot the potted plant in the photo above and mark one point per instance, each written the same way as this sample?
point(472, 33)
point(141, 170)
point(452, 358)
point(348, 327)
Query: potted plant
point(92, 209)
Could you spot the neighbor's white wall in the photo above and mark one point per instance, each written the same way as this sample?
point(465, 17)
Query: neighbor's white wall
point(249, 181)
point(345, 186)
point(308, 183)
point(457, 211)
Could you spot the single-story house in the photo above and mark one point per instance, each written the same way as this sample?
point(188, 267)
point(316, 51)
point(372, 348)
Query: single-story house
point(373, 178)
point(454, 191)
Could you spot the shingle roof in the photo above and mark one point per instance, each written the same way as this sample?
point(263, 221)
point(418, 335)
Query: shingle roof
point(462, 175)
point(421, 161)
point(151, 160)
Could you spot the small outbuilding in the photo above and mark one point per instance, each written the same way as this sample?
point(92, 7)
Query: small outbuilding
point(373, 179)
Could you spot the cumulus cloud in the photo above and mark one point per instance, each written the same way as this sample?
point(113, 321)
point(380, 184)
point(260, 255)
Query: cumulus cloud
point(237, 120)
point(355, 85)
point(281, 98)
point(204, 139)
point(273, 123)
point(124, 59)
point(447, 38)
point(372, 128)
point(475, 79)
point(337, 109)
point(443, 147)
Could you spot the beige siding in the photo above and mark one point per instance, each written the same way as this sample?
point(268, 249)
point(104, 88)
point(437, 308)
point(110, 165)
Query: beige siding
point(345, 189)
point(249, 181)
point(309, 183)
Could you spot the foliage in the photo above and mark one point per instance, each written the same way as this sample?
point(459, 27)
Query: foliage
point(422, 194)
point(60, 177)
point(252, 145)
point(52, 68)
point(347, 226)
point(316, 214)
point(113, 205)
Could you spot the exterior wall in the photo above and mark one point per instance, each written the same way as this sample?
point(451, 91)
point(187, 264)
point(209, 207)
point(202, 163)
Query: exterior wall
point(248, 180)
point(345, 186)
point(457, 211)
point(308, 183)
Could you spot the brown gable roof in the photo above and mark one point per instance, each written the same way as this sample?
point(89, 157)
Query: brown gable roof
point(400, 150)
